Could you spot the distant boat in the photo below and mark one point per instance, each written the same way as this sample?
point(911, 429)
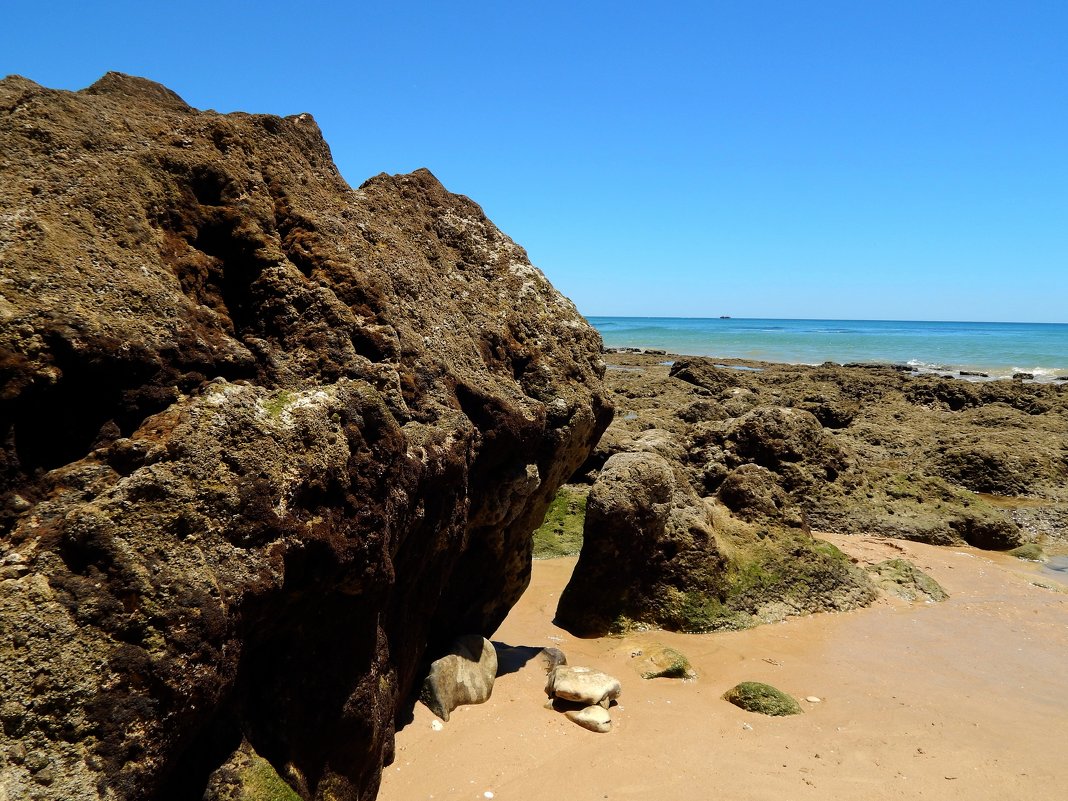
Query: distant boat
point(724, 317)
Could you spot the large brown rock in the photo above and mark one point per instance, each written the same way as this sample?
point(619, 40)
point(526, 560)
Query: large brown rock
point(654, 553)
point(267, 443)
point(643, 531)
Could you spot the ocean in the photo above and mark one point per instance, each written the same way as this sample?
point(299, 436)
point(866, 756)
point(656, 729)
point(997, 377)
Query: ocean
point(998, 349)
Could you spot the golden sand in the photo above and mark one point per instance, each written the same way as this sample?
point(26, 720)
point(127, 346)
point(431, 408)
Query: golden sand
point(965, 699)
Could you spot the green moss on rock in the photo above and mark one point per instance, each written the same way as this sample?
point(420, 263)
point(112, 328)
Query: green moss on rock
point(1031, 552)
point(561, 532)
point(755, 696)
point(246, 776)
point(907, 581)
point(661, 662)
point(277, 403)
point(262, 783)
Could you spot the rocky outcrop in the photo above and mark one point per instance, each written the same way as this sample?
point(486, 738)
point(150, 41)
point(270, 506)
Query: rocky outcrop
point(858, 448)
point(710, 480)
point(267, 444)
point(643, 530)
point(654, 553)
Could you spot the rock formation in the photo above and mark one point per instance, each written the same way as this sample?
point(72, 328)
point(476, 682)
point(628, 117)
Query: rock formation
point(706, 487)
point(655, 553)
point(267, 444)
point(939, 460)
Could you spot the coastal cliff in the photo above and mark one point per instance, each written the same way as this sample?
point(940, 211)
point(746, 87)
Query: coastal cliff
point(268, 443)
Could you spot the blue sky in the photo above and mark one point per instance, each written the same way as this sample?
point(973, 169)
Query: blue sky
point(893, 160)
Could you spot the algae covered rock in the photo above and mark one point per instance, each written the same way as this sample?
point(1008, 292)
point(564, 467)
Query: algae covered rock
point(755, 696)
point(787, 441)
point(661, 662)
point(754, 493)
point(1031, 552)
point(268, 443)
point(957, 439)
point(246, 776)
point(656, 554)
point(904, 579)
point(993, 467)
point(641, 525)
point(560, 534)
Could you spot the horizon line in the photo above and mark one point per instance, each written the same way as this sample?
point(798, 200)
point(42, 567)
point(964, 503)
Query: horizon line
point(820, 319)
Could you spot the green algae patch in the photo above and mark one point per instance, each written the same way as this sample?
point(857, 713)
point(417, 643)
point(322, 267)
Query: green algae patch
point(246, 776)
point(260, 782)
point(782, 573)
point(755, 696)
point(277, 403)
point(661, 662)
point(561, 532)
point(1031, 552)
point(907, 581)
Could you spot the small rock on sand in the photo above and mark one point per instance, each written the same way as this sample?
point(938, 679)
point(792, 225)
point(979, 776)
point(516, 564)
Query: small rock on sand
point(582, 685)
point(595, 718)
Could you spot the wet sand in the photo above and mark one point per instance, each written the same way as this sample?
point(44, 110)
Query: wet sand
point(966, 699)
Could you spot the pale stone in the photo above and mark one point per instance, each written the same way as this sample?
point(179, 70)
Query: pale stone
point(595, 718)
point(582, 685)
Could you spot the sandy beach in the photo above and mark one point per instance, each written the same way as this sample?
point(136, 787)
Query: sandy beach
point(964, 699)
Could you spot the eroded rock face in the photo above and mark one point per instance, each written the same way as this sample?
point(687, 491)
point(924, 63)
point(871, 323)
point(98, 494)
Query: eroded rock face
point(261, 433)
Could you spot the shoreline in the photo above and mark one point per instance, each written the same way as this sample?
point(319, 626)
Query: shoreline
point(964, 699)
point(1038, 376)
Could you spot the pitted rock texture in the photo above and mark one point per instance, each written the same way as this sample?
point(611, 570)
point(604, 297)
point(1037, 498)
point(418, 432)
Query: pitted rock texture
point(927, 458)
point(267, 444)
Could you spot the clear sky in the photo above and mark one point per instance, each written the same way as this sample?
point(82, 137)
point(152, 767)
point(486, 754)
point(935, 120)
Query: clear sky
point(900, 159)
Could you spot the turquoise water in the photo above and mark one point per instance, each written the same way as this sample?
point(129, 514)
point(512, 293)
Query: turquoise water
point(999, 349)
